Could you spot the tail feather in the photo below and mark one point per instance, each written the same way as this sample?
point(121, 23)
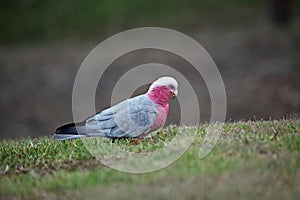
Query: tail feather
point(66, 136)
point(73, 131)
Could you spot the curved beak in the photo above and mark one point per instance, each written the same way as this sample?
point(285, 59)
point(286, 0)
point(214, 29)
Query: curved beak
point(176, 92)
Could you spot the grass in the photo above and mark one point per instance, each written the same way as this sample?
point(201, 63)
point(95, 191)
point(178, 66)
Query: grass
point(251, 160)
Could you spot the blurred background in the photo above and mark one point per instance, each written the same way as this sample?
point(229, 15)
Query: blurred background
point(255, 44)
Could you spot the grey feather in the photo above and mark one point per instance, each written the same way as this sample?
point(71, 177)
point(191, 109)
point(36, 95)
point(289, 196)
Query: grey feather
point(130, 118)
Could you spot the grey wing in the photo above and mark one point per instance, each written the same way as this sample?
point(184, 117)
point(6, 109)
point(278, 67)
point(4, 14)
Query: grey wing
point(130, 118)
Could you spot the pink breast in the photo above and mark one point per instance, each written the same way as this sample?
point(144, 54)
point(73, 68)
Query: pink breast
point(161, 117)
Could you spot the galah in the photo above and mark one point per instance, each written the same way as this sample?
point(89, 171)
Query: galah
point(132, 118)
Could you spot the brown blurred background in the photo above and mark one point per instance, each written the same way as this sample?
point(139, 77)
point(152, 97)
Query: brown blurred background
point(255, 44)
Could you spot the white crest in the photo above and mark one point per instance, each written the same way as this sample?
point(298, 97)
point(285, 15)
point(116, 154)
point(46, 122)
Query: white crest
point(166, 81)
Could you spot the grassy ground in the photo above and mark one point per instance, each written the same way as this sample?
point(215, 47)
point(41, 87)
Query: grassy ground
point(251, 160)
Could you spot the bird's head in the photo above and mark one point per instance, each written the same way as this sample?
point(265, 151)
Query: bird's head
point(163, 89)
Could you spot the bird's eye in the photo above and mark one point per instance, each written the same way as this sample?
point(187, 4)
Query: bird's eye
point(171, 87)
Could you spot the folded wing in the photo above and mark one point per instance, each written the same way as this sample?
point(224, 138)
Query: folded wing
point(131, 118)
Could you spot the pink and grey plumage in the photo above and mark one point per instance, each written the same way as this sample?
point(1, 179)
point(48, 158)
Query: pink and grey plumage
point(135, 117)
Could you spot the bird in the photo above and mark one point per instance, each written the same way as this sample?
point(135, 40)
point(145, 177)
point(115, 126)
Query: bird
point(132, 118)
